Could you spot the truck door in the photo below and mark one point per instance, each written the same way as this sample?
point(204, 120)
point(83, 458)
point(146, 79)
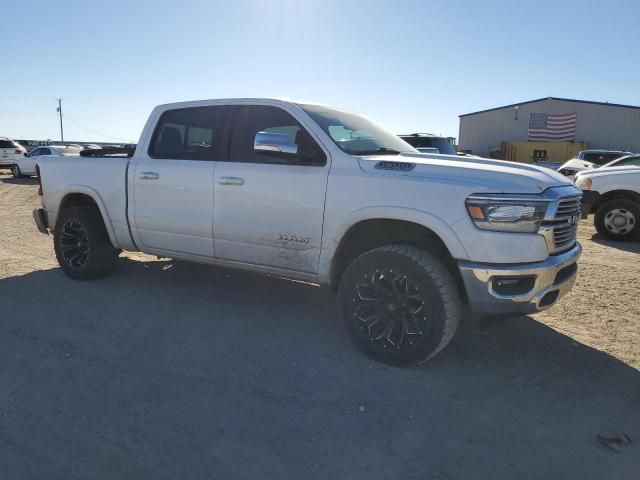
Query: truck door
point(269, 195)
point(173, 182)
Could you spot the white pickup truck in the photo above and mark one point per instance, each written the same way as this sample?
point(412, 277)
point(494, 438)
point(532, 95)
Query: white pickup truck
point(323, 195)
point(613, 195)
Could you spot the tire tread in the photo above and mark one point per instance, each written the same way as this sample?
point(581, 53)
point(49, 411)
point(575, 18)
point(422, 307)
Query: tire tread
point(444, 282)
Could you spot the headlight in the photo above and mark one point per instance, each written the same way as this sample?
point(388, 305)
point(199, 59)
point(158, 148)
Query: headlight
point(506, 215)
point(583, 183)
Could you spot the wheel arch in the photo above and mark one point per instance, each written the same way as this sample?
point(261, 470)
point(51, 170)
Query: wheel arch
point(379, 230)
point(83, 196)
point(617, 194)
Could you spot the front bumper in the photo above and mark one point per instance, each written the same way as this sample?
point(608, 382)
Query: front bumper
point(545, 283)
point(589, 199)
point(40, 218)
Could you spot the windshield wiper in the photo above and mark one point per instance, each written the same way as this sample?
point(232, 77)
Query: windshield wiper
point(379, 151)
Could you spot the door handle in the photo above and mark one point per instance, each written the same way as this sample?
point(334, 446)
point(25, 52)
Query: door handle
point(149, 175)
point(231, 181)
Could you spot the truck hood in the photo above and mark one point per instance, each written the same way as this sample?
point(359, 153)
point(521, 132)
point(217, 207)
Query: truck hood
point(605, 171)
point(577, 164)
point(483, 174)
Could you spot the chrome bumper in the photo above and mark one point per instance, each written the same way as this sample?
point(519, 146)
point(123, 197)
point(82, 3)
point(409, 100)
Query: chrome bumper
point(549, 281)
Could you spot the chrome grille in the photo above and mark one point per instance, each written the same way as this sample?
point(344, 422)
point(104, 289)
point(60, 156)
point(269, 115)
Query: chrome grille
point(564, 225)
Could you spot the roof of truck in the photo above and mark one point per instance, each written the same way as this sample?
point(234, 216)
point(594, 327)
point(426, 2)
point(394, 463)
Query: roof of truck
point(240, 100)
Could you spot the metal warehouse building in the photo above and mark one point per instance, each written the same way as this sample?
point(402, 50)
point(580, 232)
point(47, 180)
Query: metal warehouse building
point(508, 132)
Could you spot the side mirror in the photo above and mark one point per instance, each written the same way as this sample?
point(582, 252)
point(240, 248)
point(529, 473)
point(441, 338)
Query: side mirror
point(277, 144)
point(26, 154)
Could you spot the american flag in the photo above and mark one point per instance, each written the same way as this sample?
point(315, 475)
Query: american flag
point(554, 128)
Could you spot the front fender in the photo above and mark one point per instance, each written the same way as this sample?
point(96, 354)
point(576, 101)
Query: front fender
point(332, 238)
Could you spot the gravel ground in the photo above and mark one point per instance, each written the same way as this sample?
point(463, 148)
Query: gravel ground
point(172, 370)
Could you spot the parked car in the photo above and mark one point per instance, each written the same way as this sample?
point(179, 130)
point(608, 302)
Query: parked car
point(25, 165)
point(429, 143)
point(613, 195)
point(91, 146)
point(31, 144)
point(323, 195)
point(10, 150)
point(587, 159)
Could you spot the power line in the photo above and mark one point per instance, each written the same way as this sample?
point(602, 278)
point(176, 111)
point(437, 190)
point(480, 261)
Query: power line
point(33, 98)
point(23, 113)
point(106, 121)
point(94, 131)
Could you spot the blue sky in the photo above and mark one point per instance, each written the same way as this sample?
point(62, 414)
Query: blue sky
point(410, 65)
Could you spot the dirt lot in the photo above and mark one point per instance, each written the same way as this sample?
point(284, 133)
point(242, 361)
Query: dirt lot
point(170, 370)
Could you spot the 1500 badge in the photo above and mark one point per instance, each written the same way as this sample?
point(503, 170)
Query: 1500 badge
point(293, 238)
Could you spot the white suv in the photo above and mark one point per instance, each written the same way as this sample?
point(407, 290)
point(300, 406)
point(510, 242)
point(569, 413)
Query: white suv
point(10, 151)
point(588, 159)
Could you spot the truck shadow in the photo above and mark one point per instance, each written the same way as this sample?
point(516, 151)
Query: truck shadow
point(633, 247)
point(167, 369)
point(19, 181)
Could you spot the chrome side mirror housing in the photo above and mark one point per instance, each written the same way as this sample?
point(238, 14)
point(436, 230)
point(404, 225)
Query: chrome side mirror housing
point(274, 144)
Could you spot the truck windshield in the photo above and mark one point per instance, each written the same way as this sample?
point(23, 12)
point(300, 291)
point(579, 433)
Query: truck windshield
point(600, 158)
point(355, 134)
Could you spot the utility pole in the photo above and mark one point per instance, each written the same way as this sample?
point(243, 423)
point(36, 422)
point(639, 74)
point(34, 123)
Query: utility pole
point(60, 112)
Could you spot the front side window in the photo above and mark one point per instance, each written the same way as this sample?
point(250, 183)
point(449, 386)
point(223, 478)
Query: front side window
point(251, 122)
point(189, 134)
point(36, 153)
point(355, 134)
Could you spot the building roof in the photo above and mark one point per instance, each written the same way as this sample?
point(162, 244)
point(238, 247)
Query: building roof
point(551, 98)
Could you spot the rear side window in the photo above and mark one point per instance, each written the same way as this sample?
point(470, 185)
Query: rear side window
point(251, 119)
point(7, 144)
point(634, 161)
point(189, 134)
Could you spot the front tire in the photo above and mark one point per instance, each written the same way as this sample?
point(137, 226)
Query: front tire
point(400, 304)
point(15, 171)
point(82, 245)
point(618, 219)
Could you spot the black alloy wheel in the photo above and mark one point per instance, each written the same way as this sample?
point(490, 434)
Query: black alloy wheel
point(390, 308)
point(74, 244)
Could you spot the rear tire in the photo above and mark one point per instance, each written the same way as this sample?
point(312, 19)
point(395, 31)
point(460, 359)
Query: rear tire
point(618, 219)
point(400, 304)
point(82, 245)
point(15, 171)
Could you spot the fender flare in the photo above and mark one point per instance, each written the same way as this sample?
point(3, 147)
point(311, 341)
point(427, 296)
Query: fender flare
point(95, 196)
point(438, 226)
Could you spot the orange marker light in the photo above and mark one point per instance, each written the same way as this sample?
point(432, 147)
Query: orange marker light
point(475, 212)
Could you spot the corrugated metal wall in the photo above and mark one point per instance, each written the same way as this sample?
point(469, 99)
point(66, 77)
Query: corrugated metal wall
point(602, 126)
